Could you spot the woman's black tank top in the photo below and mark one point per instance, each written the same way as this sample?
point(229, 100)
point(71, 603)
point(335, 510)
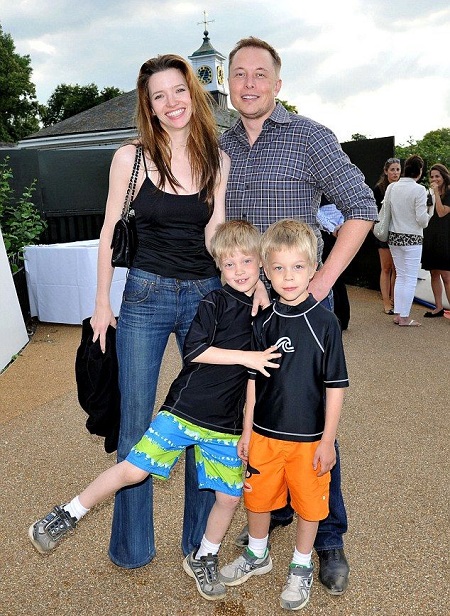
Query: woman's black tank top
point(171, 233)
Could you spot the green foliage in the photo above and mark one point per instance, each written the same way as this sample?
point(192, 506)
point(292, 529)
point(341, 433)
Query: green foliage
point(288, 106)
point(433, 148)
point(358, 137)
point(68, 100)
point(20, 221)
point(18, 104)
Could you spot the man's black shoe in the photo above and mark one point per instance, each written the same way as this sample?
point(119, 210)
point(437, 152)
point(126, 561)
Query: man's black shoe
point(242, 539)
point(334, 571)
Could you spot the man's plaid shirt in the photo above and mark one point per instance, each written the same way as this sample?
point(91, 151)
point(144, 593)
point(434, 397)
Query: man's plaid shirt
point(283, 175)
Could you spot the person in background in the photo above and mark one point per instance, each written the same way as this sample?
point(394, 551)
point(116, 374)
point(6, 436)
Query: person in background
point(391, 173)
point(330, 220)
point(281, 164)
point(436, 239)
point(180, 199)
point(409, 216)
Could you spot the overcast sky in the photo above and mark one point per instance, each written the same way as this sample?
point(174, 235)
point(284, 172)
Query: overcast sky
point(376, 67)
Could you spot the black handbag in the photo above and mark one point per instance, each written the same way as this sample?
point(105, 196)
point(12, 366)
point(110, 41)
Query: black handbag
point(124, 240)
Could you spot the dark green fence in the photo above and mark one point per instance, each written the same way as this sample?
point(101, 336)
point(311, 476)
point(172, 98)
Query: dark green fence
point(72, 188)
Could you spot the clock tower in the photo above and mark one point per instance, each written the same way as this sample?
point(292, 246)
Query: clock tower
point(208, 64)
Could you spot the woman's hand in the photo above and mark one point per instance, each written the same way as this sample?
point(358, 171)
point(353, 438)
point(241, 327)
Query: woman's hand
point(434, 188)
point(100, 321)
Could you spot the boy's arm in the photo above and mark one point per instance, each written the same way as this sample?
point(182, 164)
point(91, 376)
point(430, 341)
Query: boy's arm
point(242, 446)
point(260, 298)
point(325, 454)
point(255, 360)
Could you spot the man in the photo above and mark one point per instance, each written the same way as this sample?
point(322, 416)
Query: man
point(281, 164)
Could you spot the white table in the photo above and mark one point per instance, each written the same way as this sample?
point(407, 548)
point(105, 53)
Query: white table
point(62, 281)
point(424, 292)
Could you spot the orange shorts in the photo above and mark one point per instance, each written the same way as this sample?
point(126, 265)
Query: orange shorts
point(274, 467)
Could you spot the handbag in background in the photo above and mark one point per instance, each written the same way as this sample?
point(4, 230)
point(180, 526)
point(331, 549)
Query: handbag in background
point(381, 228)
point(124, 241)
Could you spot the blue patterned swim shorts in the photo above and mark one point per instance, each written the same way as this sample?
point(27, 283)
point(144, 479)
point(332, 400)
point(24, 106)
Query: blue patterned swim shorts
point(218, 466)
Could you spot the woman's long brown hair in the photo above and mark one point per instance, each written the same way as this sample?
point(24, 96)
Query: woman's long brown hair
point(202, 143)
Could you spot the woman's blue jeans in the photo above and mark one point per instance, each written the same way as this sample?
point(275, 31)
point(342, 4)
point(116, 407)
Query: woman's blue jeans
point(153, 307)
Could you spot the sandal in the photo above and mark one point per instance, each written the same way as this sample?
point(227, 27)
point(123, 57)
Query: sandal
point(411, 323)
point(390, 311)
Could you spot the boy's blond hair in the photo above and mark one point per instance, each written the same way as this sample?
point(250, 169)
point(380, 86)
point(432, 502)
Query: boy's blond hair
point(232, 236)
point(289, 234)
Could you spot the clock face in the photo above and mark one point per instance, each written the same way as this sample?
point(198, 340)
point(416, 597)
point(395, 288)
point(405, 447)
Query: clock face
point(220, 77)
point(204, 73)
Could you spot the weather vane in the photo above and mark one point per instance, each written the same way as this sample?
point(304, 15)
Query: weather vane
point(205, 22)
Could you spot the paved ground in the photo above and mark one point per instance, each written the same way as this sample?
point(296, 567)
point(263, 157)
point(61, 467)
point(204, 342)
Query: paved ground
point(394, 441)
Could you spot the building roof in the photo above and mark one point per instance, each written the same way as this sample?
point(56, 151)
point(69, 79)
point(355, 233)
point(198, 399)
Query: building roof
point(206, 49)
point(117, 114)
point(108, 123)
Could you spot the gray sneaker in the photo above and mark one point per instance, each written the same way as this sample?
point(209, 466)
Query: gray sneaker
point(246, 565)
point(205, 572)
point(297, 588)
point(45, 534)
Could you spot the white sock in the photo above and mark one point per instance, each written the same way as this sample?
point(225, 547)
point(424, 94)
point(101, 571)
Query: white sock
point(258, 546)
point(304, 560)
point(75, 508)
point(206, 547)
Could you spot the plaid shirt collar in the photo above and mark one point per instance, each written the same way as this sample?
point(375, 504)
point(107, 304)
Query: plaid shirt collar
point(279, 115)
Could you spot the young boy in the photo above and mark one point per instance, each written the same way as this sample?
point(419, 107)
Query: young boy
point(288, 438)
point(204, 408)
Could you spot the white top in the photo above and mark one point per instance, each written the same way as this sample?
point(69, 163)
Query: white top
point(409, 213)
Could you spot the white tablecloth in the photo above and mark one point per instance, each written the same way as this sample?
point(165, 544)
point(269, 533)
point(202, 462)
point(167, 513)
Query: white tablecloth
point(424, 292)
point(62, 281)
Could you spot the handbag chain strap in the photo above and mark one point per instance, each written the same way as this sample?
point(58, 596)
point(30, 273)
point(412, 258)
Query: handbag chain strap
point(126, 212)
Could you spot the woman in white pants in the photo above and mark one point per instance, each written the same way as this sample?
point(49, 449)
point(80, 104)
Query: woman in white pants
point(409, 216)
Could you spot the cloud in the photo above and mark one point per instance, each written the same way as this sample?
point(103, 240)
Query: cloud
point(345, 63)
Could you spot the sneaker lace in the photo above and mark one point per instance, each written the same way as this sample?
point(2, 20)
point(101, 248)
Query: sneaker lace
point(298, 582)
point(59, 522)
point(210, 568)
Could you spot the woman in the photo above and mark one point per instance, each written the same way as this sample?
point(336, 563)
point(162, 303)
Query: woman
point(180, 199)
point(391, 173)
point(409, 216)
point(436, 241)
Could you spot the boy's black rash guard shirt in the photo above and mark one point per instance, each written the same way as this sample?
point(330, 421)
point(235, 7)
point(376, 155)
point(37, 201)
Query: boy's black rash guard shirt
point(290, 405)
point(210, 395)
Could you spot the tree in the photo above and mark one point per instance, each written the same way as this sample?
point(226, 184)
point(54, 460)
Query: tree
point(358, 137)
point(20, 220)
point(289, 107)
point(433, 148)
point(18, 104)
point(68, 100)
